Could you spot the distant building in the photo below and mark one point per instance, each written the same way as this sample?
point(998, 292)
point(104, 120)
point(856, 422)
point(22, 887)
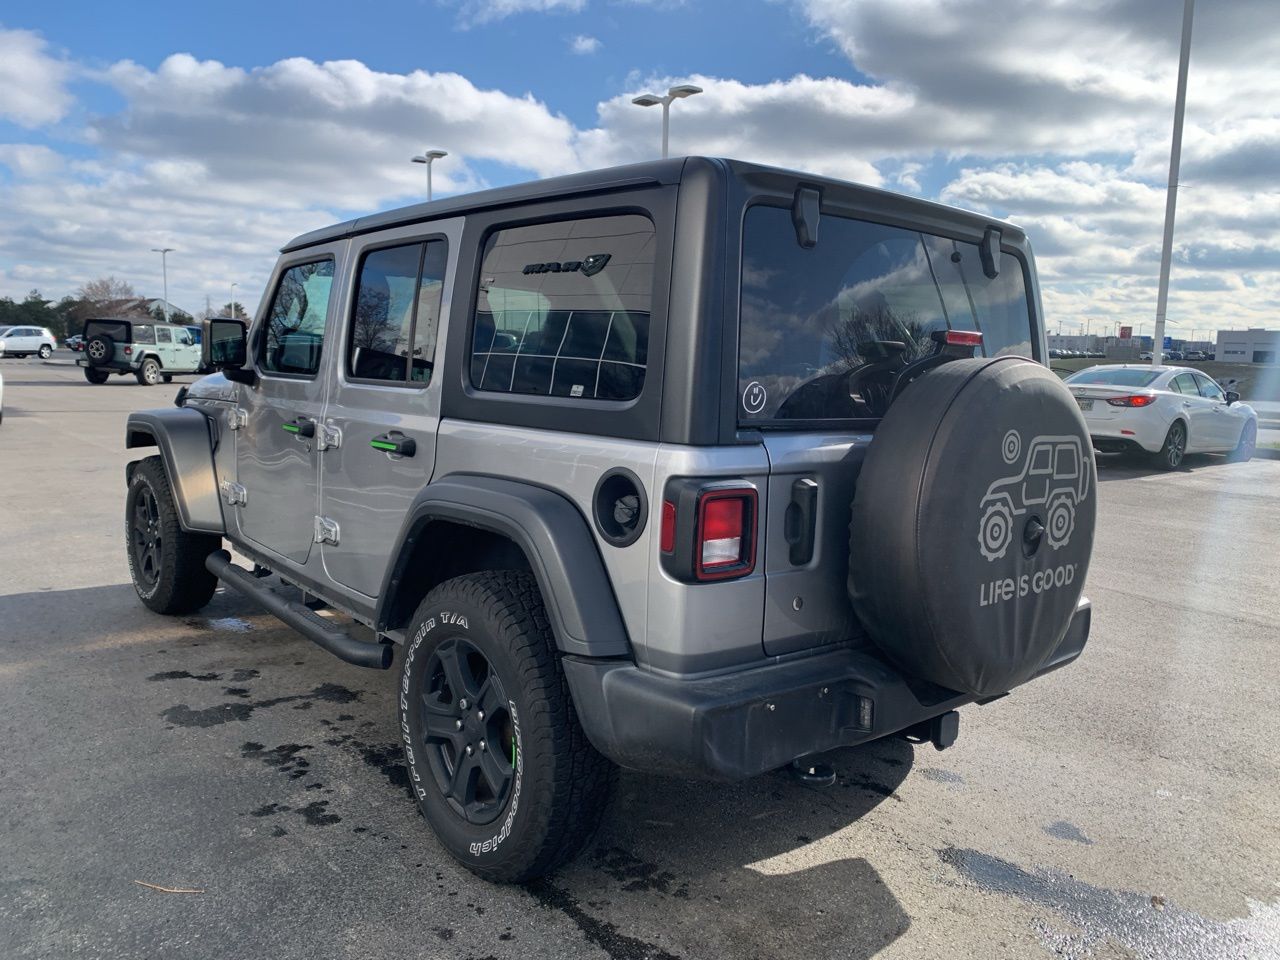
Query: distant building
point(1248, 346)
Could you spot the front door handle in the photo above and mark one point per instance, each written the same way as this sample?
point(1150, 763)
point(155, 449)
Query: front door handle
point(300, 427)
point(395, 442)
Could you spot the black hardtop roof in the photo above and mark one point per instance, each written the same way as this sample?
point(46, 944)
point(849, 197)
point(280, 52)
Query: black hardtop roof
point(144, 321)
point(653, 172)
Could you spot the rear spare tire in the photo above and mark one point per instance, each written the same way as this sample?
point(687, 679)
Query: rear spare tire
point(99, 350)
point(973, 524)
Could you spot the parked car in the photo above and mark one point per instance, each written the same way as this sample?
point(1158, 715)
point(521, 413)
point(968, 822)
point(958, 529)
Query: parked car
point(75, 342)
point(1163, 411)
point(21, 341)
point(1173, 355)
point(583, 454)
point(149, 350)
point(1145, 356)
point(1194, 355)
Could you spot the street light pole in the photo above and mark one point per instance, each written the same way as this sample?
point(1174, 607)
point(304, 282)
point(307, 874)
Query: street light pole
point(673, 94)
point(233, 300)
point(164, 270)
point(427, 157)
point(1171, 201)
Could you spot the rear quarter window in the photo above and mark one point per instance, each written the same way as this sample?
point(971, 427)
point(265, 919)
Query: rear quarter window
point(563, 308)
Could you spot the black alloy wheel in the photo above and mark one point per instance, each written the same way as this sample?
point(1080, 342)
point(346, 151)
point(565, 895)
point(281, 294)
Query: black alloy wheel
point(468, 731)
point(1175, 446)
point(146, 539)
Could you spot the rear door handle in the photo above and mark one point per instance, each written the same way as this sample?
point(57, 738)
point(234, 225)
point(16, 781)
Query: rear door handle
point(300, 427)
point(801, 521)
point(395, 442)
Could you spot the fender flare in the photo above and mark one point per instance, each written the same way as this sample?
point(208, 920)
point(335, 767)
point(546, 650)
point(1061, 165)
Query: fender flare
point(185, 442)
point(555, 538)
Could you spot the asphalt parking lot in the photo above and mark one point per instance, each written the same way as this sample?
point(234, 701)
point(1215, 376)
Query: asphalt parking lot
point(1126, 806)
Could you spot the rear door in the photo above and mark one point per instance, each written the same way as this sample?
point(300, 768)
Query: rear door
point(821, 329)
point(276, 449)
point(384, 407)
point(164, 347)
point(1202, 430)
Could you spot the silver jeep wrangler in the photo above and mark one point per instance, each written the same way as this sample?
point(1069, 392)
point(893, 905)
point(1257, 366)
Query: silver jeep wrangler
point(694, 467)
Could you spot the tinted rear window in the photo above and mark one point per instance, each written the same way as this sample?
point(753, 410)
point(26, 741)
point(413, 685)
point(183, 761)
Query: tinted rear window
point(117, 330)
point(1114, 377)
point(865, 294)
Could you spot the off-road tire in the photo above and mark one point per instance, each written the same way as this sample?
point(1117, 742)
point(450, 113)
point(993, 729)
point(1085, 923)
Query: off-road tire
point(46, 351)
point(105, 352)
point(1248, 444)
point(94, 375)
point(182, 584)
point(561, 785)
point(148, 372)
point(1174, 448)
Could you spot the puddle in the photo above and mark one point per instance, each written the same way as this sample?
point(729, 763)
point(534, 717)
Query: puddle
point(1143, 923)
point(230, 624)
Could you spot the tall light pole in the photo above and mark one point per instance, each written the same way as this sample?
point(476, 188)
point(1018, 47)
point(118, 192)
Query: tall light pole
point(427, 156)
point(675, 93)
point(233, 300)
point(164, 269)
point(1171, 201)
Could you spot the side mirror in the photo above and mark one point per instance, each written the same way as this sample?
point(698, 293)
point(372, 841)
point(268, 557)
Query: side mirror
point(1232, 397)
point(224, 346)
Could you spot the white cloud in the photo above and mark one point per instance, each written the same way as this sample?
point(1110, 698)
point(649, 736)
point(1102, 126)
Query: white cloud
point(582, 44)
point(477, 12)
point(32, 83)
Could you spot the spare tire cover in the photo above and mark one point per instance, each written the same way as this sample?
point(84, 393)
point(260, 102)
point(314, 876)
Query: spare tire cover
point(973, 524)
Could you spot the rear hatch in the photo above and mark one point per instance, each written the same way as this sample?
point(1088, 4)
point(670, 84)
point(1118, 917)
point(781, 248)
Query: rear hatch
point(1094, 388)
point(823, 330)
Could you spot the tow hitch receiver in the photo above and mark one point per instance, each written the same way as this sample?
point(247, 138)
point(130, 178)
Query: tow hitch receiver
point(941, 731)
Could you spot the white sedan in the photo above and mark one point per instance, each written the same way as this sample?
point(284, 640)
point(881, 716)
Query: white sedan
point(1166, 411)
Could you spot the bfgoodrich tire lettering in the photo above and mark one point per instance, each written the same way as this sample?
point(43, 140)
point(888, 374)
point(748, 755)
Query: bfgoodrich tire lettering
point(558, 785)
point(166, 563)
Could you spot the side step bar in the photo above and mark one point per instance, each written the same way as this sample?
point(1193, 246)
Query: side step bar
point(307, 622)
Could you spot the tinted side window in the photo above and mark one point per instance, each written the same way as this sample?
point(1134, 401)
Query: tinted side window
point(1209, 389)
point(397, 313)
point(163, 335)
point(294, 331)
point(564, 309)
point(1185, 383)
point(144, 333)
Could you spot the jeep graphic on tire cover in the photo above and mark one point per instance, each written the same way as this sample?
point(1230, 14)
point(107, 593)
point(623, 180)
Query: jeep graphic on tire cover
point(979, 496)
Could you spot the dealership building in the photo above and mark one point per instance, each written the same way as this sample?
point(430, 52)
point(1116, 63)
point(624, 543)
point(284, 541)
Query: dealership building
point(1248, 346)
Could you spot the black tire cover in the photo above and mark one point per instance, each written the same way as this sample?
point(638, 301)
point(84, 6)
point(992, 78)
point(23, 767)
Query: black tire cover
point(949, 570)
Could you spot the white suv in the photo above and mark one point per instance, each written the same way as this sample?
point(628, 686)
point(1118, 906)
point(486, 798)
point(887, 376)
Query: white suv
point(21, 341)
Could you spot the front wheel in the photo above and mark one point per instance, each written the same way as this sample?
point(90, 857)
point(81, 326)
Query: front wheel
point(94, 375)
point(166, 562)
point(1248, 444)
point(149, 373)
point(46, 351)
point(498, 762)
point(1174, 447)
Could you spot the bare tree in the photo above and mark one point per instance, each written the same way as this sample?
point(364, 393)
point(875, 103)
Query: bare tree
point(109, 297)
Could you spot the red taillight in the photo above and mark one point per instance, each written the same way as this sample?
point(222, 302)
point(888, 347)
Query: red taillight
point(1139, 400)
point(128, 351)
point(964, 338)
point(668, 542)
point(725, 545)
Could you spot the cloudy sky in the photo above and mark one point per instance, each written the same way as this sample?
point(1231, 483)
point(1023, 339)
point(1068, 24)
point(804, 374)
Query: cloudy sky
point(224, 129)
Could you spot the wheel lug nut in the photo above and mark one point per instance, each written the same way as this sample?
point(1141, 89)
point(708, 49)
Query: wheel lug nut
point(469, 750)
point(483, 746)
point(457, 724)
point(480, 714)
point(463, 704)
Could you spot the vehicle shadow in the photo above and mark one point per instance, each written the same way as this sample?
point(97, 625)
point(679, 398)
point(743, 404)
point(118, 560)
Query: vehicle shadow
point(1127, 466)
point(753, 866)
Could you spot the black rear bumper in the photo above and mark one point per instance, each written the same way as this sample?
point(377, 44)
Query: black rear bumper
point(1116, 445)
point(737, 725)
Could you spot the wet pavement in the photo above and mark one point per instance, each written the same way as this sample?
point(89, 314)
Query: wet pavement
point(1127, 806)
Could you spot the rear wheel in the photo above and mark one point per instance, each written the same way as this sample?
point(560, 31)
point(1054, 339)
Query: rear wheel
point(95, 376)
point(149, 373)
point(166, 562)
point(1248, 444)
point(1174, 448)
point(168, 378)
point(46, 351)
point(497, 759)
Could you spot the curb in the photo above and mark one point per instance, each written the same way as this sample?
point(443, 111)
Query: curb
point(1267, 453)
